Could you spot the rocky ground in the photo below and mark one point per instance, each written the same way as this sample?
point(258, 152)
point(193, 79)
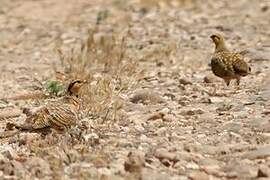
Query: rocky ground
point(152, 108)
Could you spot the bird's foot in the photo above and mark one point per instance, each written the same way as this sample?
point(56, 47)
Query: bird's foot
point(226, 88)
point(237, 88)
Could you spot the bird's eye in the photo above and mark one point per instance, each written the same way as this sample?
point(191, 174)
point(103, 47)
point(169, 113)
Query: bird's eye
point(249, 69)
point(215, 37)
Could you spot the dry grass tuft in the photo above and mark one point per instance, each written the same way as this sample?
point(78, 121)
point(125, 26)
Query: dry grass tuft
point(164, 3)
point(101, 60)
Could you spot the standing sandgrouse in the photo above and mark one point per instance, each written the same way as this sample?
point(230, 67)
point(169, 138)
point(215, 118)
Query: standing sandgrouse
point(225, 64)
point(59, 114)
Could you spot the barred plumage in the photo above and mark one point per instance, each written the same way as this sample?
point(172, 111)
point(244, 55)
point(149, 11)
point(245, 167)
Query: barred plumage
point(225, 64)
point(59, 114)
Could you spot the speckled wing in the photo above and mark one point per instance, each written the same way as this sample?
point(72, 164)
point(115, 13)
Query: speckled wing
point(239, 65)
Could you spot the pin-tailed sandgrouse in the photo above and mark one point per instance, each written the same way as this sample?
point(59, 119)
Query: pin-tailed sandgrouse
point(225, 64)
point(59, 114)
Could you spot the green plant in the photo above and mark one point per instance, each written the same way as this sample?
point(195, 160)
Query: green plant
point(54, 88)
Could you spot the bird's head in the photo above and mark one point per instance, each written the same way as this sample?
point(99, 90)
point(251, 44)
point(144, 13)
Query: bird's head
point(217, 38)
point(219, 42)
point(75, 86)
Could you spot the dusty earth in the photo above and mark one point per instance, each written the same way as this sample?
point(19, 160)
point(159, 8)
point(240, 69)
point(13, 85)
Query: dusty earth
point(157, 112)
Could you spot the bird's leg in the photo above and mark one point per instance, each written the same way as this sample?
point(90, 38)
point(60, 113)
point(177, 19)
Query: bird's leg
point(226, 88)
point(237, 83)
point(227, 81)
point(214, 93)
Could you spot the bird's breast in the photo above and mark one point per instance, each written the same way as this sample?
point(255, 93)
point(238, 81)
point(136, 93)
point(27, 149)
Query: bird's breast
point(220, 67)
